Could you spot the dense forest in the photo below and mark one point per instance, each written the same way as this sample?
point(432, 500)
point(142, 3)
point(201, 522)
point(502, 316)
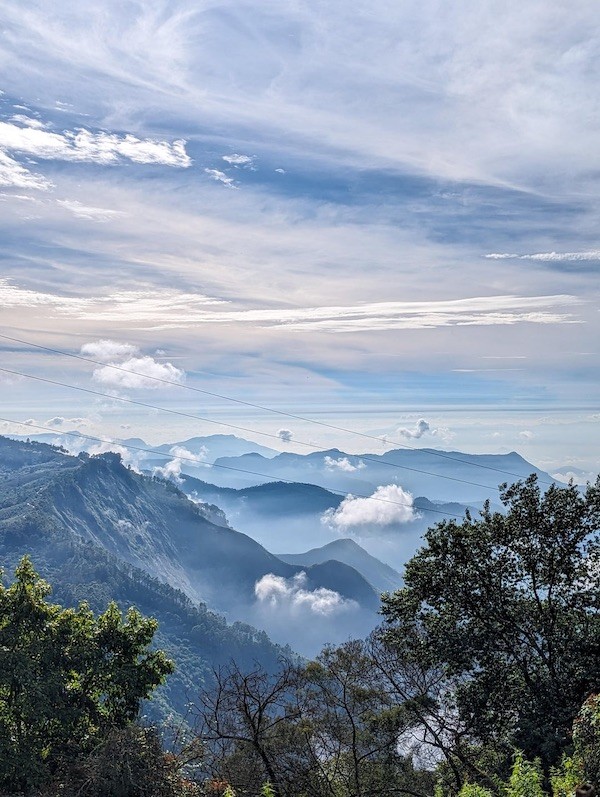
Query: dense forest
point(482, 679)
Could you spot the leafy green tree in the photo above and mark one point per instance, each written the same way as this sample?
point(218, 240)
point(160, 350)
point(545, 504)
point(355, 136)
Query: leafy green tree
point(67, 679)
point(505, 608)
point(586, 737)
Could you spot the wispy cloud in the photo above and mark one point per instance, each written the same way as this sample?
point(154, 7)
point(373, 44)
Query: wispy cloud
point(246, 161)
point(85, 145)
point(548, 257)
point(142, 307)
point(86, 212)
point(172, 310)
point(15, 175)
point(221, 177)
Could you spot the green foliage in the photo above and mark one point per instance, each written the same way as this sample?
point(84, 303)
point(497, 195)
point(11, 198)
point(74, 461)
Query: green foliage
point(473, 790)
point(586, 738)
point(267, 790)
point(566, 777)
point(505, 607)
point(67, 678)
point(526, 778)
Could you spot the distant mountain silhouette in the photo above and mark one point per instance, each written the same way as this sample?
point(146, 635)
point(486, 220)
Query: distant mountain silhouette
point(442, 476)
point(383, 577)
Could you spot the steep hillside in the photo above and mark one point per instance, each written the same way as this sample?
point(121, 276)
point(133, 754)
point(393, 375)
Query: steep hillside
point(150, 524)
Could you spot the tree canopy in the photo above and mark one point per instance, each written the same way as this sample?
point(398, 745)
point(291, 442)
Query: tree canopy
point(67, 678)
point(505, 606)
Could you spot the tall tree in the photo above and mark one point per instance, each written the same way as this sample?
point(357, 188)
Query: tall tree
point(506, 607)
point(67, 678)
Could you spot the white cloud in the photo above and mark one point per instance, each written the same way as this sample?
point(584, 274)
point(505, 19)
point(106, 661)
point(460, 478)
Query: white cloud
point(247, 161)
point(169, 309)
point(56, 421)
point(108, 350)
point(420, 427)
point(107, 446)
point(423, 427)
point(343, 464)
point(83, 145)
point(138, 372)
point(526, 435)
point(548, 257)
point(86, 212)
point(15, 175)
point(389, 505)
point(126, 367)
point(28, 121)
point(171, 471)
point(221, 177)
point(183, 453)
point(150, 309)
point(285, 435)
point(291, 595)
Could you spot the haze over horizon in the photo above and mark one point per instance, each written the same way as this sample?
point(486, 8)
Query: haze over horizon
point(383, 218)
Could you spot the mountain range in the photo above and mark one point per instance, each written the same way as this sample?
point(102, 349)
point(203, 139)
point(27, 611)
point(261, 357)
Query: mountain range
point(447, 476)
point(148, 523)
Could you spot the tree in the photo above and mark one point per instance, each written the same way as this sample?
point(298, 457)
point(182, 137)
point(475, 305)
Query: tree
point(355, 722)
point(67, 679)
point(245, 720)
point(329, 729)
point(506, 607)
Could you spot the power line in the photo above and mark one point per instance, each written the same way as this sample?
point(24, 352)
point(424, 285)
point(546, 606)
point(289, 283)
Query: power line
point(180, 413)
point(262, 407)
point(130, 447)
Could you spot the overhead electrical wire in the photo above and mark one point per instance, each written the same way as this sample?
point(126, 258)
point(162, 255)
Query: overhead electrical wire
point(130, 447)
point(262, 407)
point(364, 457)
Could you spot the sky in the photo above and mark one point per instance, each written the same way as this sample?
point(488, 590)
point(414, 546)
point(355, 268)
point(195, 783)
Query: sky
point(381, 216)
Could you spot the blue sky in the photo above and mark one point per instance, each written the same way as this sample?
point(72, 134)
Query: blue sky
point(367, 213)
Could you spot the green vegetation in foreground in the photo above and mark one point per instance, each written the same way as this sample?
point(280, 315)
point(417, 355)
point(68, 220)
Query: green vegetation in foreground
point(482, 682)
